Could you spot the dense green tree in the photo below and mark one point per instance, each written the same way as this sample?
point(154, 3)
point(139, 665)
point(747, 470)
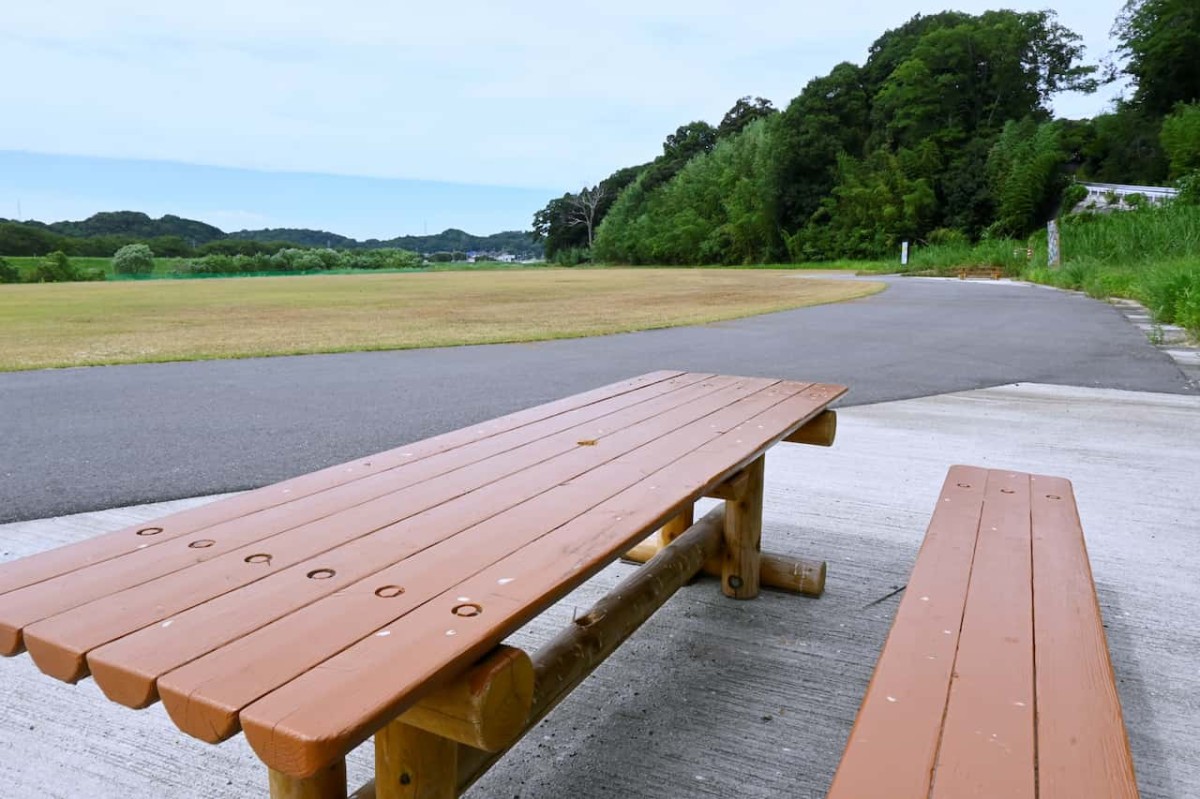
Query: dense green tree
point(1181, 139)
point(1124, 147)
point(1161, 42)
point(1025, 168)
point(744, 112)
point(557, 226)
point(20, 239)
point(975, 74)
point(868, 156)
point(875, 206)
point(718, 209)
point(829, 118)
point(133, 259)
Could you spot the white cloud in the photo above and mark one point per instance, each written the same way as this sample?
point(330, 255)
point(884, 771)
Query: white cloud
point(538, 93)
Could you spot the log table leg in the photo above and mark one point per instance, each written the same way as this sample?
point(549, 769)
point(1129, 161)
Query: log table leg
point(413, 764)
point(677, 526)
point(328, 783)
point(740, 564)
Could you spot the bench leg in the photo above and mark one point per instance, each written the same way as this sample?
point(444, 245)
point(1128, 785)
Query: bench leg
point(740, 565)
point(677, 526)
point(413, 764)
point(328, 783)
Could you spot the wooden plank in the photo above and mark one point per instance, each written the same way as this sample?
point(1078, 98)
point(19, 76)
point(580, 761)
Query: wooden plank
point(204, 696)
point(271, 576)
point(303, 529)
point(371, 681)
point(894, 742)
point(740, 559)
point(62, 560)
point(1082, 746)
point(987, 746)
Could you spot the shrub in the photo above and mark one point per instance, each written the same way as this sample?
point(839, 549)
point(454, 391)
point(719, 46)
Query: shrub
point(55, 268)
point(133, 259)
point(572, 256)
point(8, 272)
point(1187, 308)
point(1072, 196)
point(947, 236)
point(1189, 189)
point(1162, 288)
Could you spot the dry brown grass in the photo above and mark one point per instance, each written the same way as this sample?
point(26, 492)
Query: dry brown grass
point(83, 324)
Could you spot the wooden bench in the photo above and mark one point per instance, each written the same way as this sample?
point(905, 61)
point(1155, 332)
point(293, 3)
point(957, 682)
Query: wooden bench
point(993, 272)
point(995, 680)
point(371, 598)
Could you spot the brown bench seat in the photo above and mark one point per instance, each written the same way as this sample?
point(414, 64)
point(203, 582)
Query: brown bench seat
point(995, 680)
point(315, 613)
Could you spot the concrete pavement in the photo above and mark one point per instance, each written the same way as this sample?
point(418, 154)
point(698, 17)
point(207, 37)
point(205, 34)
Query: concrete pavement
point(719, 698)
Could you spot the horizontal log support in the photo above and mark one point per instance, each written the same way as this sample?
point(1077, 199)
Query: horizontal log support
point(819, 431)
point(780, 572)
point(487, 708)
point(574, 653)
point(732, 489)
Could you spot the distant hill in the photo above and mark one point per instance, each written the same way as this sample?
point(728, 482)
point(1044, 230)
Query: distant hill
point(135, 225)
point(300, 236)
point(512, 241)
point(104, 233)
point(452, 240)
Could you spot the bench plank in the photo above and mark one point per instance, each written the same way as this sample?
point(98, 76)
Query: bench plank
point(62, 560)
point(325, 711)
point(321, 521)
point(1083, 749)
point(894, 743)
point(987, 746)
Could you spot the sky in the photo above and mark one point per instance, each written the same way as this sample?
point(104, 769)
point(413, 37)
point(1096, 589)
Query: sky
point(420, 116)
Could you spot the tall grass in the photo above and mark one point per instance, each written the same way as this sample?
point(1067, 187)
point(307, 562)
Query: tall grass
point(1147, 235)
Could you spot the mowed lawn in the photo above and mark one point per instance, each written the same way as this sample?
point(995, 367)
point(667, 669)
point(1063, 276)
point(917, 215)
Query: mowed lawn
point(80, 324)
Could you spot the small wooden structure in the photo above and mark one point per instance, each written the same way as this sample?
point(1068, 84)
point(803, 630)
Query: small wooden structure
point(371, 598)
point(995, 680)
point(993, 272)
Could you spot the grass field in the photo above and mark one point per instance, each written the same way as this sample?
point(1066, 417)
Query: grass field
point(79, 324)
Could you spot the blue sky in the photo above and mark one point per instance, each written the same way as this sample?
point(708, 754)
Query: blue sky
point(399, 117)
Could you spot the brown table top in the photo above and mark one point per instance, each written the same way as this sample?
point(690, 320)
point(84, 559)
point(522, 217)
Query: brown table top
point(311, 612)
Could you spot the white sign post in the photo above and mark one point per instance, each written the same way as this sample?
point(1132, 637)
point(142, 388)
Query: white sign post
point(1053, 245)
point(904, 254)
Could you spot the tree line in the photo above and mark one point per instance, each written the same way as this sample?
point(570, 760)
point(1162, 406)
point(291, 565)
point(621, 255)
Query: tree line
point(103, 234)
point(945, 132)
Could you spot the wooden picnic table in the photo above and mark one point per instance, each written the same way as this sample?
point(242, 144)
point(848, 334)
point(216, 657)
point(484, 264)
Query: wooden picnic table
point(371, 598)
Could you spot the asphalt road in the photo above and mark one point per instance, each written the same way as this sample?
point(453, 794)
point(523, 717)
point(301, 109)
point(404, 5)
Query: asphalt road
point(74, 440)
